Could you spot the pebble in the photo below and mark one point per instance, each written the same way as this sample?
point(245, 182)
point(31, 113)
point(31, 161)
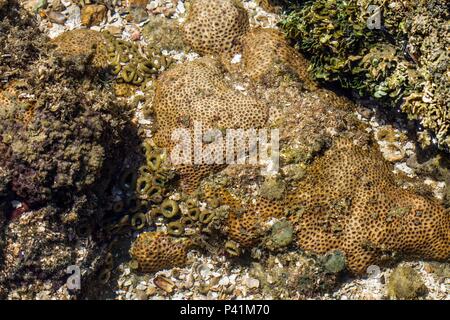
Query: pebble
point(74, 17)
point(135, 36)
point(225, 281)
point(251, 283)
point(56, 17)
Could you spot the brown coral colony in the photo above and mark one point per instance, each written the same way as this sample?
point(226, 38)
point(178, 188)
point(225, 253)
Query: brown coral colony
point(86, 138)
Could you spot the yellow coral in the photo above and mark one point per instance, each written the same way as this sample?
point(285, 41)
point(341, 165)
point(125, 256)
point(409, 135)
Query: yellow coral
point(349, 201)
point(84, 42)
point(215, 27)
point(155, 251)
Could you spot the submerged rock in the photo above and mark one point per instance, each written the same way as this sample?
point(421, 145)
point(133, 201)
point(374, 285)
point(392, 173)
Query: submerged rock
point(405, 283)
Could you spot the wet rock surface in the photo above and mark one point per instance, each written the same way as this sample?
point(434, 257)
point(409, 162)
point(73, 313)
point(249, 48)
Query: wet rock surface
point(83, 178)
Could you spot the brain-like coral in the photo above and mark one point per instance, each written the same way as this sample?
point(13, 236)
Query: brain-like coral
point(266, 52)
point(215, 27)
point(197, 92)
point(349, 200)
point(154, 251)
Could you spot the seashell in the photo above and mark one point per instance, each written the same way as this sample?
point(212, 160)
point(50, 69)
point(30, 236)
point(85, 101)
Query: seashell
point(164, 284)
point(204, 270)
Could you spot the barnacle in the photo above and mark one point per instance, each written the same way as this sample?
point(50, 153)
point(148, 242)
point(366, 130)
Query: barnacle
point(232, 248)
point(130, 63)
point(133, 203)
point(143, 185)
point(206, 216)
point(193, 213)
point(153, 161)
point(187, 221)
point(155, 194)
point(191, 203)
point(138, 221)
point(128, 179)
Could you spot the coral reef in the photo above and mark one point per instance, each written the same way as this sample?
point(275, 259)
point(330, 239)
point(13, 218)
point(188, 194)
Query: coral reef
point(62, 136)
point(84, 172)
point(154, 251)
point(163, 34)
point(197, 92)
point(69, 143)
point(348, 200)
point(130, 63)
point(215, 27)
point(266, 51)
point(404, 62)
point(83, 43)
point(289, 272)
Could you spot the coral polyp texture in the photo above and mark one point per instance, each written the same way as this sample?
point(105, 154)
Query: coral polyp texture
point(84, 43)
point(349, 200)
point(154, 251)
point(266, 52)
point(215, 27)
point(59, 143)
point(197, 93)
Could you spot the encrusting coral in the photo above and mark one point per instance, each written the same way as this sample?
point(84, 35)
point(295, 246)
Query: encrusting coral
point(83, 42)
point(197, 93)
point(154, 251)
point(266, 51)
point(215, 27)
point(402, 62)
point(348, 200)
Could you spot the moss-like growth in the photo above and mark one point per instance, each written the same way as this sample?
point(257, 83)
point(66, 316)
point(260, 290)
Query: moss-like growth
point(281, 235)
point(272, 189)
point(405, 283)
point(402, 63)
point(334, 262)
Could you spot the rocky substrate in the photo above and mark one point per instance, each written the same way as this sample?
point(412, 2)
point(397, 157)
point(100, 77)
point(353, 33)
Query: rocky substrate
point(212, 274)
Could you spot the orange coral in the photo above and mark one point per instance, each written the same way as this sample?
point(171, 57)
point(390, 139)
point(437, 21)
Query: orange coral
point(155, 251)
point(349, 201)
